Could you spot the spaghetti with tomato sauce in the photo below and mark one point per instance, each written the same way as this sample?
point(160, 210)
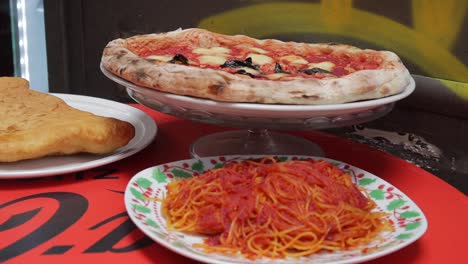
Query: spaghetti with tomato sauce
point(267, 208)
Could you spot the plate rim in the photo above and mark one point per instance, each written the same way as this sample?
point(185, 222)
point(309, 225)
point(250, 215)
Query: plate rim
point(205, 258)
point(149, 131)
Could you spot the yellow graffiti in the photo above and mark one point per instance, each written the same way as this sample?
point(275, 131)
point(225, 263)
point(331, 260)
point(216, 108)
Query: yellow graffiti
point(336, 13)
point(461, 89)
point(418, 46)
point(439, 20)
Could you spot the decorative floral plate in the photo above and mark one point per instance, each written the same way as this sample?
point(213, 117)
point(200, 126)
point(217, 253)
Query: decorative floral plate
point(408, 220)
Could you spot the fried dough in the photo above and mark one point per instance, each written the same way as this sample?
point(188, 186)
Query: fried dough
point(35, 125)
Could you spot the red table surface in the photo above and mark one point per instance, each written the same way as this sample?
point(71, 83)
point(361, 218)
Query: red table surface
point(81, 217)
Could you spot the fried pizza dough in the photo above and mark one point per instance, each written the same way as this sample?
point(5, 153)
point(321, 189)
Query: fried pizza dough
point(35, 125)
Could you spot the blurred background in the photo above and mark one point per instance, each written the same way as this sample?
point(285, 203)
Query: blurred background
point(57, 45)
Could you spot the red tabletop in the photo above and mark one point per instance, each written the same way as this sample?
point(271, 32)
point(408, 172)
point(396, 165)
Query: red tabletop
point(80, 217)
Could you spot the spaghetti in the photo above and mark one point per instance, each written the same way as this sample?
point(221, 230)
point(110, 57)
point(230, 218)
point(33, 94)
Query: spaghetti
point(267, 208)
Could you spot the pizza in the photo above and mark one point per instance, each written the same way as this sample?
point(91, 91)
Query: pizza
point(196, 62)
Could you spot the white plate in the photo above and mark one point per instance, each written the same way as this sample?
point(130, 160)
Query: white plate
point(408, 220)
point(145, 132)
point(274, 116)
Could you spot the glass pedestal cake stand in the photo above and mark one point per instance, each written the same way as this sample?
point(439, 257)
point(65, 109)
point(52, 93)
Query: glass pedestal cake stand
point(257, 120)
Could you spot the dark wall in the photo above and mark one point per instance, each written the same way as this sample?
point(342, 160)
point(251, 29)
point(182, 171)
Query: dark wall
point(6, 52)
point(430, 38)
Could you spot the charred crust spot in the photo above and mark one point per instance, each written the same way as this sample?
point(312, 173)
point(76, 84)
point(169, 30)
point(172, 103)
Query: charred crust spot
point(141, 75)
point(121, 70)
point(295, 92)
point(216, 89)
point(385, 91)
point(305, 96)
point(121, 53)
point(366, 89)
point(314, 97)
point(151, 60)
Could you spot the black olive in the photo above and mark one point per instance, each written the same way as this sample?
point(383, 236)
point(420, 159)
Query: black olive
point(239, 64)
point(244, 72)
point(278, 69)
point(314, 71)
point(179, 58)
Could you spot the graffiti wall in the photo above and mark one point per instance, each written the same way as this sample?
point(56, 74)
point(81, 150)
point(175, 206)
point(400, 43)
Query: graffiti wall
point(430, 36)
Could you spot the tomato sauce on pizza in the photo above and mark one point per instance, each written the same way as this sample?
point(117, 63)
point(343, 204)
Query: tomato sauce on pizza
point(263, 62)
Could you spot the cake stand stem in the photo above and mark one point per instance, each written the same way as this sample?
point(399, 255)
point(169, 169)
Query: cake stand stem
point(253, 142)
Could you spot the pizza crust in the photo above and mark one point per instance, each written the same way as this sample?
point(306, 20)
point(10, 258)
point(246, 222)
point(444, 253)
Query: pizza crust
point(391, 78)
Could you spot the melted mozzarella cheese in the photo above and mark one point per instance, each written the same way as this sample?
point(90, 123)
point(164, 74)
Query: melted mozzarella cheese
point(211, 51)
point(274, 76)
point(249, 70)
point(164, 58)
point(212, 59)
point(258, 50)
point(260, 59)
point(294, 59)
point(347, 49)
point(249, 47)
point(325, 65)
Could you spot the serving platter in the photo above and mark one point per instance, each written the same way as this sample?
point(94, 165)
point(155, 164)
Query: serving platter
point(263, 116)
point(145, 132)
point(259, 119)
point(145, 190)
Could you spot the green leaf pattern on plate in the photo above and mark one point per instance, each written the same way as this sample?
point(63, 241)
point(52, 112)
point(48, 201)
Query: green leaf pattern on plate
point(409, 214)
point(377, 194)
point(181, 173)
point(151, 222)
point(412, 226)
point(405, 215)
point(198, 166)
point(144, 183)
point(159, 175)
point(141, 209)
point(404, 236)
point(395, 204)
point(137, 194)
point(218, 165)
point(366, 181)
